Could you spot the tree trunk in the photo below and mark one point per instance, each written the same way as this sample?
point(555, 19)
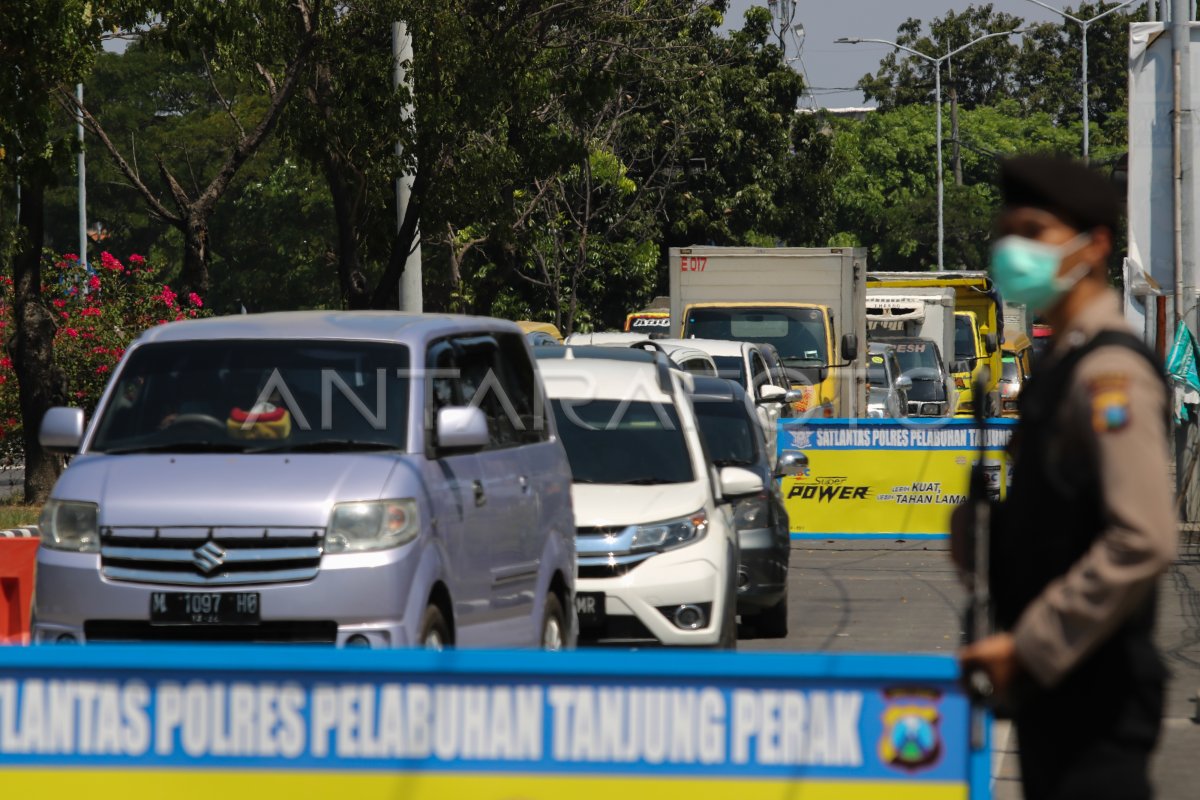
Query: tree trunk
point(40, 384)
point(194, 276)
point(345, 213)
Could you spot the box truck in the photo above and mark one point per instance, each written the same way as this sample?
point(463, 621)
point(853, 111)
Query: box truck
point(978, 320)
point(809, 303)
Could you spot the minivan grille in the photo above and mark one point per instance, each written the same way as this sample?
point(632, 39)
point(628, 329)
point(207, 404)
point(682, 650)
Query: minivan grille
point(225, 556)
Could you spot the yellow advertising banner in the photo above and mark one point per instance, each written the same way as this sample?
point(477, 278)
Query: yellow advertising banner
point(887, 478)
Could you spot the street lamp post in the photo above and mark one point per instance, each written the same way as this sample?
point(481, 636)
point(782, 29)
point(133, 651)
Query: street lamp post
point(937, 90)
point(1084, 24)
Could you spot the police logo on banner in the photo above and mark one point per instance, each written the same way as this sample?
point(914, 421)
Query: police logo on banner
point(911, 737)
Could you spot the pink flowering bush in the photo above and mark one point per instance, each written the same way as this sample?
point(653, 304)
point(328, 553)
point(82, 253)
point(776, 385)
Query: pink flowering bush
point(98, 315)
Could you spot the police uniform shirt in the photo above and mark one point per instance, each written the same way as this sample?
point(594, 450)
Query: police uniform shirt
point(1116, 409)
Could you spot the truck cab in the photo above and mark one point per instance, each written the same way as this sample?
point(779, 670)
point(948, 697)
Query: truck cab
point(974, 347)
point(809, 303)
point(976, 335)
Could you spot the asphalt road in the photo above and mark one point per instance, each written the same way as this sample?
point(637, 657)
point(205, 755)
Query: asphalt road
point(904, 597)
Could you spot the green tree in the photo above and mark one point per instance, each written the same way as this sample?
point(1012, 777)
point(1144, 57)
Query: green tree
point(751, 171)
point(886, 194)
point(210, 36)
point(983, 74)
point(44, 46)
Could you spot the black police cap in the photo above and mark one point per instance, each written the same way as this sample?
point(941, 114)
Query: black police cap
point(1078, 195)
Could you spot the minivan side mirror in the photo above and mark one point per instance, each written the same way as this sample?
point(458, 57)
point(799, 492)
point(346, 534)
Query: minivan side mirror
point(462, 428)
point(769, 393)
point(739, 482)
point(792, 463)
point(904, 383)
point(849, 347)
point(61, 430)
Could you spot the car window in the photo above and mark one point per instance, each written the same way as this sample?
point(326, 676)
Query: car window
point(964, 337)
point(621, 442)
point(758, 369)
point(1008, 369)
point(876, 371)
point(731, 368)
point(493, 373)
point(730, 434)
point(698, 366)
point(517, 379)
point(256, 395)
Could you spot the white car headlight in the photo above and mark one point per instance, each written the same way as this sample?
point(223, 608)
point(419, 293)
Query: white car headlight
point(70, 525)
point(670, 534)
point(372, 525)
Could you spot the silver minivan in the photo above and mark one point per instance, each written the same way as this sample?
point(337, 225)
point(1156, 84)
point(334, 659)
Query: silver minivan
point(365, 479)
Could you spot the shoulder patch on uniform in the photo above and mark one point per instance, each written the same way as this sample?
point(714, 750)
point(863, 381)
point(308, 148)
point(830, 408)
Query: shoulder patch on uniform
point(1110, 402)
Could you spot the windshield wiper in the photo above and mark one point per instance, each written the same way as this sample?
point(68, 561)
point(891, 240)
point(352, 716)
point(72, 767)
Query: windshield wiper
point(647, 481)
point(325, 446)
point(731, 462)
point(177, 447)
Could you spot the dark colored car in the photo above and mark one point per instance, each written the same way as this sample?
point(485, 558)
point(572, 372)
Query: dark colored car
point(729, 427)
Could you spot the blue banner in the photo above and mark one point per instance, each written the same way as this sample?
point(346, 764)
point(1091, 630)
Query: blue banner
point(497, 724)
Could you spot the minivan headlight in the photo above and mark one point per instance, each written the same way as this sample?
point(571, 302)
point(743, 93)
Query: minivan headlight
point(751, 513)
point(372, 525)
point(70, 525)
point(670, 534)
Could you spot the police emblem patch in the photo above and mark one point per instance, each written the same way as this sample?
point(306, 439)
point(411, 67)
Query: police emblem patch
point(1110, 403)
point(911, 736)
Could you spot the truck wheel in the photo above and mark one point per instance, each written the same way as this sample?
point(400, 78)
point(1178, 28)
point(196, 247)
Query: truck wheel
point(554, 625)
point(435, 633)
point(772, 622)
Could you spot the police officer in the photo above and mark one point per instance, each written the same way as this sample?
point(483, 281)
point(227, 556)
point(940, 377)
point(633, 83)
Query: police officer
point(1088, 525)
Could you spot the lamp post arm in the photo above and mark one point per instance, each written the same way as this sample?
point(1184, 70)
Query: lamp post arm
point(1111, 10)
point(916, 53)
point(1060, 12)
point(974, 42)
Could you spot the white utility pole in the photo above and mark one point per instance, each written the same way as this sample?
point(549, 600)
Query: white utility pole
point(1185, 176)
point(937, 90)
point(411, 295)
point(1084, 24)
point(81, 168)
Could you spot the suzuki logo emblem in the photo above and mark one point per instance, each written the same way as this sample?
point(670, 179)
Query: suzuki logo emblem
point(208, 557)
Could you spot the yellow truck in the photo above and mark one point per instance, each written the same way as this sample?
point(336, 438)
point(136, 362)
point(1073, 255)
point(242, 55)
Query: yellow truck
point(809, 303)
point(977, 323)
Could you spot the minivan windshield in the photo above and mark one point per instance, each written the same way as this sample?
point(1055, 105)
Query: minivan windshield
point(797, 333)
point(258, 396)
point(729, 432)
point(622, 442)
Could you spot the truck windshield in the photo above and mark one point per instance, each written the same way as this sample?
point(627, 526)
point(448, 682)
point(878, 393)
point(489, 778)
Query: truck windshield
point(917, 359)
point(797, 333)
point(615, 441)
point(258, 396)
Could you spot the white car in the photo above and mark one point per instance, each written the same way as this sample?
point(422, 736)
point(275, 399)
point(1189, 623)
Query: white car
point(746, 363)
point(688, 359)
point(656, 542)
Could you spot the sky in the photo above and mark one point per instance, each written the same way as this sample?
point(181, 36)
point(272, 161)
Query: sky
point(832, 66)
